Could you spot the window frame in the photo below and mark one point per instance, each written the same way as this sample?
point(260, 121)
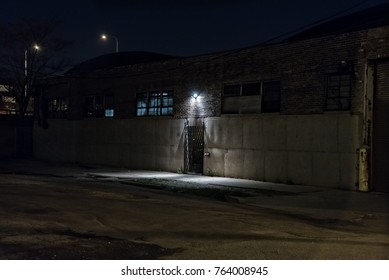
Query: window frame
point(57, 107)
point(262, 100)
point(338, 88)
point(104, 110)
point(268, 104)
point(154, 103)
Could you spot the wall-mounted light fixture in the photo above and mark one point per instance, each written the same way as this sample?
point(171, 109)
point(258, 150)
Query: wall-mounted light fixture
point(195, 95)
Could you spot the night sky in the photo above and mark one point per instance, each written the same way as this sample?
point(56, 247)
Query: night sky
point(177, 27)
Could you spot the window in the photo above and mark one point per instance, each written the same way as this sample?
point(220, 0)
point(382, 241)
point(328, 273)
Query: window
point(271, 97)
point(338, 92)
point(99, 106)
point(109, 106)
point(249, 98)
point(232, 90)
point(156, 103)
point(251, 89)
point(57, 108)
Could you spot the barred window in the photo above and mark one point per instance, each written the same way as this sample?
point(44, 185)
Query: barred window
point(338, 92)
point(156, 103)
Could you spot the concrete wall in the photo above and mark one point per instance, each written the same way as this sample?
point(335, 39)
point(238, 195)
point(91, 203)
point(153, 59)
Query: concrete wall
point(315, 150)
point(7, 141)
point(142, 143)
point(310, 150)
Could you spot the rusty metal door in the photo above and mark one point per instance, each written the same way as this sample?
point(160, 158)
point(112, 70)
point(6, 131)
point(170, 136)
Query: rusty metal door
point(194, 148)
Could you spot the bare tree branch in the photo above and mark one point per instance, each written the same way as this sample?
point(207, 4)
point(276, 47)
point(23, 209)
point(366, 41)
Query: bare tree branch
point(21, 65)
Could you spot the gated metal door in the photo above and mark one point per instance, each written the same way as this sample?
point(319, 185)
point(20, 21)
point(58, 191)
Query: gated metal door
point(194, 148)
point(380, 172)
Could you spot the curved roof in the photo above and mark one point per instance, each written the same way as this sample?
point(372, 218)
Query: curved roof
point(113, 60)
point(369, 18)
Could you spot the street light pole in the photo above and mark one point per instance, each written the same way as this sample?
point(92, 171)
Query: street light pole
point(25, 73)
point(36, 48)
point(105, 37)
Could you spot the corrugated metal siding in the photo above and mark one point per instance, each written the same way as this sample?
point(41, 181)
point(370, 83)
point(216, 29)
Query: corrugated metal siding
point(380, 170)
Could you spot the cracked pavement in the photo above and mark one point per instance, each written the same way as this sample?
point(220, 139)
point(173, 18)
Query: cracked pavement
point(57, 215)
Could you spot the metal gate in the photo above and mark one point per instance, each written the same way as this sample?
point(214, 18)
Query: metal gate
point(194, 148)
point(380, 148)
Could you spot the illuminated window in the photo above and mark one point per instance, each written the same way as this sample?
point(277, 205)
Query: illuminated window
point(338, 92)
point(109, 113)
point(156, 103)
point(109, 106)
point(99, 106)
point(141, 104)
point(57, 108)
point(251, 98)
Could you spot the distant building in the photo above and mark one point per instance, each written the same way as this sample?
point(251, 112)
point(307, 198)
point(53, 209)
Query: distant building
point(8, 104)
point(310, 110)
point(7, 101)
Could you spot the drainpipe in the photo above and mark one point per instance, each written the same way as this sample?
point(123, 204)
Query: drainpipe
point(364, 151)
point(364, 169)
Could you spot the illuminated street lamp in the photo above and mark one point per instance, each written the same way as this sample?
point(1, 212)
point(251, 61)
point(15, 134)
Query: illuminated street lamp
point(36, 48)
point(105, 37)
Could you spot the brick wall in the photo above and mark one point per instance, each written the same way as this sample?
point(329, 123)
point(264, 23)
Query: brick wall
point(300, 66)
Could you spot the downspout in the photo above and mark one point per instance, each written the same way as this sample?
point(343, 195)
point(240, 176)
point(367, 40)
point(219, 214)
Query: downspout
point(364, 151)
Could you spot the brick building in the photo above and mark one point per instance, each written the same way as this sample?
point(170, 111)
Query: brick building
point(309, 110)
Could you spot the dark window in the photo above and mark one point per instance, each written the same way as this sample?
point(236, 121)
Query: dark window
point(57, 108)
point(251, 98)
point(157, 103)
point(99, 106)
point(251, 89)
point(270, 97)
point(94, 106)
point(232, 90)
point(338, 92)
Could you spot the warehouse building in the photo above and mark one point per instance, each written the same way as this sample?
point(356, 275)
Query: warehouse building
point(311, 110)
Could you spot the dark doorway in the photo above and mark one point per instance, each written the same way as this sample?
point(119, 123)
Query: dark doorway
point(194, 148)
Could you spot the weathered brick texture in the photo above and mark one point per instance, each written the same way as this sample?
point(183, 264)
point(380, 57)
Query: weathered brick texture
point(300, 66)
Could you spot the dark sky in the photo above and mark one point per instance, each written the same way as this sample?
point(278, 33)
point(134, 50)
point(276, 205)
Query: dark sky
point(178, 27)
